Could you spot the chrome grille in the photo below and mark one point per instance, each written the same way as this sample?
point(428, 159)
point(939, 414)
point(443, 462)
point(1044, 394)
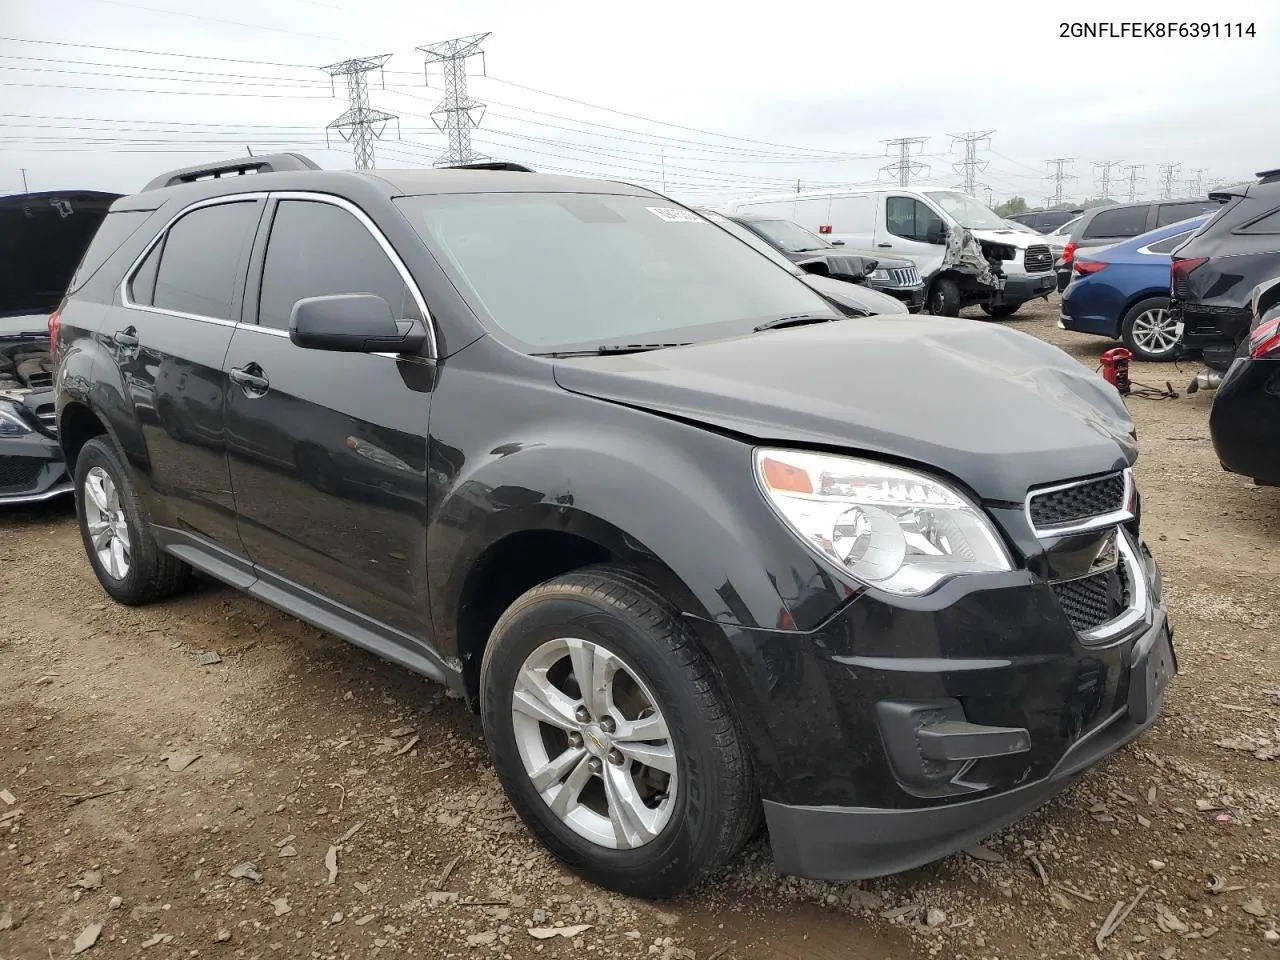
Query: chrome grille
point(904, 276)
point(1037, 259)
point(1086, 502)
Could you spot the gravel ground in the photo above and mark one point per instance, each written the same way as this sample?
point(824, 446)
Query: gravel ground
point(299, 798)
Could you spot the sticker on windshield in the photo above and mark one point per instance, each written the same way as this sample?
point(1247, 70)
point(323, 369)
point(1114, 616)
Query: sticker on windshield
point(675, 215)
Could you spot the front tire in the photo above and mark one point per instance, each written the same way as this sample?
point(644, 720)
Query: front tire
point(944, 298)
point(610, 738)
point(117, 537)
point(1149, 331)
point(1000, 312)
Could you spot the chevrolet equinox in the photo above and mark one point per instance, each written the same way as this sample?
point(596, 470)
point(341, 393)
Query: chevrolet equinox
point(701, 550)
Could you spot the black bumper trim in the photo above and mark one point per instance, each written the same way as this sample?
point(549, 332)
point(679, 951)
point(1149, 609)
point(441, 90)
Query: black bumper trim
point(856, 843)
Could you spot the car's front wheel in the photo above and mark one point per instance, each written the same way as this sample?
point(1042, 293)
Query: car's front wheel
point(944, 298)
point(1149, 330)
point(610, 737)
point(125, 557)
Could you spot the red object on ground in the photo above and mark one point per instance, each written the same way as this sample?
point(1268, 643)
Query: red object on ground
point(1115, 369)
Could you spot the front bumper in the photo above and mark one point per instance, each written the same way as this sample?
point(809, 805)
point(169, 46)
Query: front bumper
point(31, 470)
point(1019, 288)
point(913, 297)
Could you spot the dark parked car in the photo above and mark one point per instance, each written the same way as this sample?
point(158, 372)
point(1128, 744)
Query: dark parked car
point(696, 545)
point(1244, 421)
point(848, 293)
point(1122, 292)
point(1103, 226)
point(895, 276)
point(1045, 221)
point(1214, 273)
point(42, 238)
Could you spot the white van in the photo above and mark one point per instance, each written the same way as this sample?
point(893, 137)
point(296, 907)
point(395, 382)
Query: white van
point(949, 236)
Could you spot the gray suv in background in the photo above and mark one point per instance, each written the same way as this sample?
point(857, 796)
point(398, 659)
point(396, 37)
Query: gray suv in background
point(1103, 226)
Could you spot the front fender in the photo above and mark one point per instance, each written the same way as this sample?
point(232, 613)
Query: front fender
point(659, 495)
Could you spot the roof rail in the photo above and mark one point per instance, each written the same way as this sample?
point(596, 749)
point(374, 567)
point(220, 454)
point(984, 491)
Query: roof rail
point(491, 165)
point(269, 163)
point(1264, 174)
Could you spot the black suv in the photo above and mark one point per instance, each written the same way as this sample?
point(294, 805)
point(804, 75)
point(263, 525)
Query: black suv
point(1045, 221)
point(696, 546)
point(1213, 274)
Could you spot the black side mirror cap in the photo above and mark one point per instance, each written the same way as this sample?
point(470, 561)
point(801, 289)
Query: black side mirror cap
point(353, 323)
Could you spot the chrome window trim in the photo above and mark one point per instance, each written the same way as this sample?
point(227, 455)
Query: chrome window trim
point(340, 202)
point(127, 301)
point(1111, 519)
point(1139, 602)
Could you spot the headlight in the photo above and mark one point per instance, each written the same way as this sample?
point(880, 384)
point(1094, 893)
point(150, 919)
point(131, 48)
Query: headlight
point(11, 424)
point(878, 274)
point(894, 529)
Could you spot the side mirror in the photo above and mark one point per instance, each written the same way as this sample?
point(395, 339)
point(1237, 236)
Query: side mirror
point(353, 323)
point(837, 243)
point(937, 233)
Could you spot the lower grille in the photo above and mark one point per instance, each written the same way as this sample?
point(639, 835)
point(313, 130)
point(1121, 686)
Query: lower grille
point(48, 417)
point(18, 474)
point(1037, 259)
point(1091, 601)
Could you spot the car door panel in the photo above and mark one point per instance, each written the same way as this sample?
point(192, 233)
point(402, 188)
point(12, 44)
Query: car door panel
point(328, 450)
point(896, 238)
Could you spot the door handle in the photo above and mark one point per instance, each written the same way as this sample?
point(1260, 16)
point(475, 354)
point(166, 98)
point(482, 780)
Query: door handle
point(250, 379)
point(127, 337)
point(890, 245)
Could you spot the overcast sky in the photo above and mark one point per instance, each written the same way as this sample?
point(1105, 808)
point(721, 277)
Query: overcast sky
point(717, 99)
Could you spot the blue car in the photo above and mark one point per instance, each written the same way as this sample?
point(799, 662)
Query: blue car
point(1122, 292)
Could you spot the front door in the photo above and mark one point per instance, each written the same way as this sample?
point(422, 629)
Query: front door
point(169, 337)
point(905, 229)
point(328, 451)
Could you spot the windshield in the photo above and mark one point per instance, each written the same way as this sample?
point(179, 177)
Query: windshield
point(790, 237)
point(755, 242)
point(561, 269)
point(966, 211)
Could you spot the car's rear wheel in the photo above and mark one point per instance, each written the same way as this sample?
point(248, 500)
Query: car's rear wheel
point(610, 737)
point(1001, 311)
point(1150, 332)
point(117, 538)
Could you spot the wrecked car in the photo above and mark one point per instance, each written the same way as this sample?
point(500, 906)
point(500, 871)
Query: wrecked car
point(965, 253)
point(42, 238)
point(698, 548)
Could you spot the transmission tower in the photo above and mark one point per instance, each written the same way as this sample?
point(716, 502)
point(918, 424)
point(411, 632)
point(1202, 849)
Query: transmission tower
point(460, 112)
point(1196, 184)
point(987, 190)
point(1167, 171)
point(1059, 178)
point(905, 166)
point(1104, 175)
point(360, 124)
point(1133, 169)
point(970, 165)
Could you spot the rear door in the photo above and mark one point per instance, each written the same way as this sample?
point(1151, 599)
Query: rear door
point(168, 340)
point(328, 450)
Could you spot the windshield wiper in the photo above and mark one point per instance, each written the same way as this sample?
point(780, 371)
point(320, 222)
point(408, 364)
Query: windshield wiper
point(611, 348)
point(799, 320)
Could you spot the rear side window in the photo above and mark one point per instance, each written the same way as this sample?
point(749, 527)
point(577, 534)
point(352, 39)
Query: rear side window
point(114, 230)
point(1120, 222)
point(200, 264)
point(319, 250)
point(142, 288)
point(1169, 244)
point(1168, 213)
point(1266, 224)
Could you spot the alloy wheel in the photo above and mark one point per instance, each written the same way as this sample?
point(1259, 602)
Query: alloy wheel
point(1155, 331)
point(594, 743)
point(107, 525)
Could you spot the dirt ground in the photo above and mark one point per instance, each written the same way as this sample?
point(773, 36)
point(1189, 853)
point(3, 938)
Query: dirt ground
point(363, 802)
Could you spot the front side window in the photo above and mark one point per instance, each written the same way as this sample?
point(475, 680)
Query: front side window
point(560, 269)
point(910, 219)
point(317, 249)
point(199, 267)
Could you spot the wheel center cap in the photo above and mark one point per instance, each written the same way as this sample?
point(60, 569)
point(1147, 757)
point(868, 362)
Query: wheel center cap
point(595, 740)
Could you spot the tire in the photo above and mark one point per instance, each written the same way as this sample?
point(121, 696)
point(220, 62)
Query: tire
point(1147, 329)
point(147, 573)
point(944, 298)
point(687, 832)
point(1000, 312)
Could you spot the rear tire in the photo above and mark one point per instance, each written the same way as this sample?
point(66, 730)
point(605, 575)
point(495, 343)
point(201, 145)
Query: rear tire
point(944, 298)
point(1000, 312)
point(117, 534)
point(690, 810)
point(1149, 332)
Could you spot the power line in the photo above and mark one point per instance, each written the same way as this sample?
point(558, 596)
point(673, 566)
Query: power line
point(360, 124)
point(1133, 169)
point(1059, 178)
point(904, 166)
point(153, 53)
point(460, 111)
point(1167, 172)
point(970, 165)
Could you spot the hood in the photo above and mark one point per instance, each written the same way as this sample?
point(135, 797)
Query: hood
point(1012, 238)
point(42, 239)
point(854, 296)
point(991, 406)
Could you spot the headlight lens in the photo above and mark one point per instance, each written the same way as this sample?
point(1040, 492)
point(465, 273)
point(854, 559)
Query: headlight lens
point(11, 423)
point(878, 274)
point(894, 529)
